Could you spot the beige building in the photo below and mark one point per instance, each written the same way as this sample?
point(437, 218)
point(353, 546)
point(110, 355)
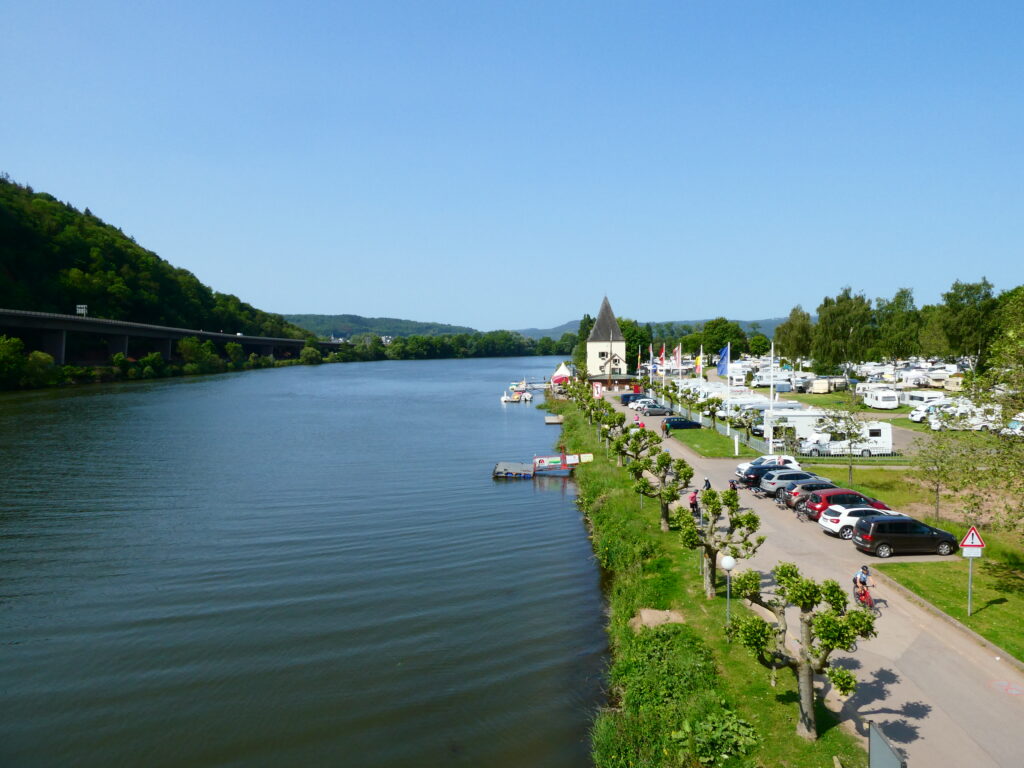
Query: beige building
point(606, 351)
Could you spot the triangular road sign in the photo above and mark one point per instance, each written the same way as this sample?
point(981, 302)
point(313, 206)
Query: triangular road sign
point(972, 539)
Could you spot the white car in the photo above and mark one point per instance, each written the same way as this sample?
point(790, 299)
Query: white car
point(839, 520)
point(772, 458)
point(635, 404)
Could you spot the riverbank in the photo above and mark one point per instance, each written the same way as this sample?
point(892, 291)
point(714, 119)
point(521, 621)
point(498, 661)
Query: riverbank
point(675, 689)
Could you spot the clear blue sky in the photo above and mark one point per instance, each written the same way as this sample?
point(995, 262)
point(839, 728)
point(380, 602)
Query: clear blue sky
point(505, 165)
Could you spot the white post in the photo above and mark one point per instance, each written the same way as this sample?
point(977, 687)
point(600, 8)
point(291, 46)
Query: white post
point(736, 445)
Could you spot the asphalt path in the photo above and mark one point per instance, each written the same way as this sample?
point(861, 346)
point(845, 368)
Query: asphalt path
point(938, 694)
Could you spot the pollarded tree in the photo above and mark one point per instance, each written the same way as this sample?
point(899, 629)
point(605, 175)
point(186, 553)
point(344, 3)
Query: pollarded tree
point(736, 538)
point(711, 405)
point(661, 477)
point(825, 625)
point(845, 421)
point(939, 462)
point(636, 444)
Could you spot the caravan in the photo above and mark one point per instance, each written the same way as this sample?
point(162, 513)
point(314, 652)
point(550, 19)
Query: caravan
point(875, 439)
point(919, 397)
point(882, 399)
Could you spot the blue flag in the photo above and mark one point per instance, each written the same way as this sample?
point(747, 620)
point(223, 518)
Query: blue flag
point(723, 361)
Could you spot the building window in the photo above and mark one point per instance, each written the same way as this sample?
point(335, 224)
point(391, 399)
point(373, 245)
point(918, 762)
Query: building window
point(602, 355)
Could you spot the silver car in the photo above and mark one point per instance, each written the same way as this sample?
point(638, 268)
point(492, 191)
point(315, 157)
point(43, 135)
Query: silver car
point(775, 482)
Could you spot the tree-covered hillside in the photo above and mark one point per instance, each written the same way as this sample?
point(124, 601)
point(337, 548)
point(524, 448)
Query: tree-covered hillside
point(347, 326)
point(54, 257)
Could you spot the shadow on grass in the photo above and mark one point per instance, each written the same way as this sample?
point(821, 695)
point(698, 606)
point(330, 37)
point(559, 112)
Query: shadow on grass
point(1008, 579)
point(997, 601)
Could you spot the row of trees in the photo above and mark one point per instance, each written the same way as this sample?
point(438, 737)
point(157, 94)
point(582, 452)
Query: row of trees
point(851, 329)
point(826, 624)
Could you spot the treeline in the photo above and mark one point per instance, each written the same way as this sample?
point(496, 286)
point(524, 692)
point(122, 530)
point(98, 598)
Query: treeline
point(346, 326)
point(850, 328)
point(847, 328)
point(54, 257)
point(457, 345)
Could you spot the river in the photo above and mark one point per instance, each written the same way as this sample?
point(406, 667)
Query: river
point(300, 566)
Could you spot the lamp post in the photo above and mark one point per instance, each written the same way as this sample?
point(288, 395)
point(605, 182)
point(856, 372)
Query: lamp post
point(728, 563)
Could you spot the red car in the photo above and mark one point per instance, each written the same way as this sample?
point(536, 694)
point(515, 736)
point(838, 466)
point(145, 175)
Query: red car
point(818, 501)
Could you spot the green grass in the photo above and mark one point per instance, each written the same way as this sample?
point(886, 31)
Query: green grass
point(917, 426)
point(663, 678)
point(997, 595)
point(889, 485)
point(711, 443)
point(837, 400)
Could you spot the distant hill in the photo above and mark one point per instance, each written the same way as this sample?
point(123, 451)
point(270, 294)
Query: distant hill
point(767, 327)
point(345, 326)
point(54, 257)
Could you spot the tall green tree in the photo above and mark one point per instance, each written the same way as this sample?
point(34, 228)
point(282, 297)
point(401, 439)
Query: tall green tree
point(970, 318)
point(845, 330)
point(719, 332)
point(932, 332)
point(899, 325)
point(793, 338)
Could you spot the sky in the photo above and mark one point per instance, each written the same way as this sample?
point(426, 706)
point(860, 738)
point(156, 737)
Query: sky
point(508, 164)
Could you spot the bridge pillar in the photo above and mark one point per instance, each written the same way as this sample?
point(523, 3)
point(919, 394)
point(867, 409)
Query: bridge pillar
point(117, 344)
point(166, 349)
point(55, 345)
point(267, 350)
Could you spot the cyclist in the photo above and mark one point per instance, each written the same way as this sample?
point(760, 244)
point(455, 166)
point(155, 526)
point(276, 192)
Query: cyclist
point(861, 581)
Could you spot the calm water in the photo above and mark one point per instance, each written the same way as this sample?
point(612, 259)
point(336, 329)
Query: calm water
point(304, 566)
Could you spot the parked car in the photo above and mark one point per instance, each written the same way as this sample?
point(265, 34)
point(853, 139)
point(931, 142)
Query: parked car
point(818, 501)
point(635, 404)
point(886, 535)
point(773, 459)
point(775, 482)
point(753, 475)
point(797, 492)
point(655, 410)
point(678, 422)
point(629, 397)
point(839, 519)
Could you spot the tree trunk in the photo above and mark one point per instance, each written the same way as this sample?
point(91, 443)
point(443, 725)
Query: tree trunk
point(664, 517)
point(806, 727)
point(710, 566)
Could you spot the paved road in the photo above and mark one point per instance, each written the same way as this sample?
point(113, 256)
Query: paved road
point(935, 692)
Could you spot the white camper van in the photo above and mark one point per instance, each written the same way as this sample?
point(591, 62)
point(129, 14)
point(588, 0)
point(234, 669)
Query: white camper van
point(875, 439)
point(918, 397)
point(882, 399)
point(805, 423)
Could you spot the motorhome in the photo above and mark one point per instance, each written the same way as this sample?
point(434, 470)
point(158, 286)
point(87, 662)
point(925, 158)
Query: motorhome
point(863, 387)
point(875, 439)
point(805, 423)
point(917, 397)
point(965, 415)
point(732, 405)
point(767, 377)
point(882, 399)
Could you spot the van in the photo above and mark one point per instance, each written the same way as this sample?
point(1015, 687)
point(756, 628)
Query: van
point(886, 535)
point(875, 440)
point(916, 397)
point(882, 399)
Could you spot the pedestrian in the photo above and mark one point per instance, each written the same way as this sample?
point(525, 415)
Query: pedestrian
point(664, 428)
point(693, 503)
point(707, 484)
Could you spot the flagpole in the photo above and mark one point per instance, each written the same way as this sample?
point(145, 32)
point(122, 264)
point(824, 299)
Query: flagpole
point(771, 400)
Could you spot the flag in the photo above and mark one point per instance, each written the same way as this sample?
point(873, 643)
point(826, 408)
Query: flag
point(697, 364)
point(677, 356)
point(723, 361)
point(638, 359)
point(661, 356)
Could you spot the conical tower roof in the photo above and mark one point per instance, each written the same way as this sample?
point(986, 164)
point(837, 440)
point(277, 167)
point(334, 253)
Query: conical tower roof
point(606, 327)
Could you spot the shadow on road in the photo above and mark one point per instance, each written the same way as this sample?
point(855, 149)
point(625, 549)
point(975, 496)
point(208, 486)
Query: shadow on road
point(867, 703)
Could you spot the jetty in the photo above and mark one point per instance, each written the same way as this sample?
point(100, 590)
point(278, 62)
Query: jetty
point(561, 464)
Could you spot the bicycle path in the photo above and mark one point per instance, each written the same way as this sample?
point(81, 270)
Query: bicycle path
point(937, 694)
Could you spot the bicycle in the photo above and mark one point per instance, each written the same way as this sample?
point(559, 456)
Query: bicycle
point(867, 601)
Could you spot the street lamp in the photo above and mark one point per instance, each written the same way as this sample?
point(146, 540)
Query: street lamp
point(728, 563)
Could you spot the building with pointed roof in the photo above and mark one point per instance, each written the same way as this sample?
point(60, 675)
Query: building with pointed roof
point(606, 350)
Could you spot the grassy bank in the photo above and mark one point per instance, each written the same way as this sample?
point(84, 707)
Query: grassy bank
point(672, 689)
point(711, 443)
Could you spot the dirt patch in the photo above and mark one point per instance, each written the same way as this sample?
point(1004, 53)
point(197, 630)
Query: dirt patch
point(649, 617)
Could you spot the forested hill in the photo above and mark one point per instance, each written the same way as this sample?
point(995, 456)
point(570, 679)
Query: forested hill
point(54, 257)
point(346, 326)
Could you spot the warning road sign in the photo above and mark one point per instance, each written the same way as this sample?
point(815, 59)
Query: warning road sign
point(972, 539)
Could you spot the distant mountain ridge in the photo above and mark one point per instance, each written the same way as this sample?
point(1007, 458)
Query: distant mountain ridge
point(346, 326)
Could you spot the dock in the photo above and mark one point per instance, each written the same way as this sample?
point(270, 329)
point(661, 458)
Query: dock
point(516, 469)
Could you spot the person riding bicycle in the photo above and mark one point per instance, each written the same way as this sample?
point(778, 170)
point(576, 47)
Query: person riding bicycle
point(861, 581)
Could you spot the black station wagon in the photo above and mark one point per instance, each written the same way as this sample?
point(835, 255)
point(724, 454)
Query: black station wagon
point(886, 535)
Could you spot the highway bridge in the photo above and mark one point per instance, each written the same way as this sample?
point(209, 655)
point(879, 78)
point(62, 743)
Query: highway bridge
point(82, 340)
